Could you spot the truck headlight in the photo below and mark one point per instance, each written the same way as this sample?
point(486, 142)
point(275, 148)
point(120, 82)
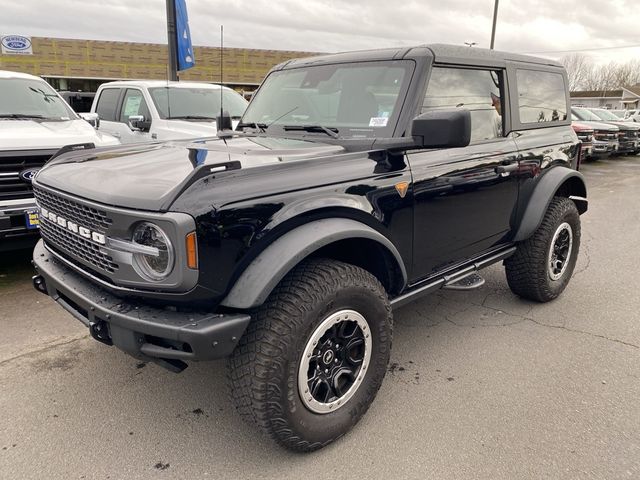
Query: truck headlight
point(156, 263)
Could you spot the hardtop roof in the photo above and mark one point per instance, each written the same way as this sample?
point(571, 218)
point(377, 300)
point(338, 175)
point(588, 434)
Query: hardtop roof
point(440, 52)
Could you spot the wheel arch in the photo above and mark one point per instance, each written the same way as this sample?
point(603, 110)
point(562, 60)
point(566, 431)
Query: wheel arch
point(342, 239)
point(559, 181)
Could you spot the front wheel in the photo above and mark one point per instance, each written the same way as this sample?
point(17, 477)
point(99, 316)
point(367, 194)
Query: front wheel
point(543, 264)
point(314, 357)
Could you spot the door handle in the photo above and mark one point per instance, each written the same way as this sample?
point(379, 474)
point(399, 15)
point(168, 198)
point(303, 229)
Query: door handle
point(511, 167)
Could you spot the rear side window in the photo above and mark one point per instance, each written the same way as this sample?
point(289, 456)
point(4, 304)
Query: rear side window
point(479, 91)
point(541, 96)
point(108, 104)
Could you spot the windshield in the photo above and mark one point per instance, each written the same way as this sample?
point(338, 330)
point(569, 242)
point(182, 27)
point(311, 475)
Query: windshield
point(353, 100)
point(584, 114)
point(26, 98)
point(196, 102)
point(604, 115)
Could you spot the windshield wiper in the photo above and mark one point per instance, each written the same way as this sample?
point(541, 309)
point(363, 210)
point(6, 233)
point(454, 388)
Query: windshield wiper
point(190, 117)
point(255, 125)
point(331, 131)
point(21, 115)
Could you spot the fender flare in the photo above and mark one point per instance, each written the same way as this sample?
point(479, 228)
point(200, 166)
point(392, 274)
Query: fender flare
point(544, 192)
point(263, 274)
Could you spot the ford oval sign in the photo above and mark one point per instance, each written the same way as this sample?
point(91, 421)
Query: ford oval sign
point(16, 44)
point(28, 174)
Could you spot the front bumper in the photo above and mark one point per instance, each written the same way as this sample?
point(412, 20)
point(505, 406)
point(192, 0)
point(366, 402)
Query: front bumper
point(167, 337)
point(13, 225)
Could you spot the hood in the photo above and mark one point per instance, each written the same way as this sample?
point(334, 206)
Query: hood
point(581, 126)
point(624, 126)
point(150, 176)
point(34, 134)
point(599, 126)
point(187, 129)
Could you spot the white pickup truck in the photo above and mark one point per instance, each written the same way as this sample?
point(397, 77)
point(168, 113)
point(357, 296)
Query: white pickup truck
point(139, 111)
point(35, 122)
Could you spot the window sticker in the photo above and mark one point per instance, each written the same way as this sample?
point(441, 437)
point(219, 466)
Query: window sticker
point(378, 121)
point(131, 106)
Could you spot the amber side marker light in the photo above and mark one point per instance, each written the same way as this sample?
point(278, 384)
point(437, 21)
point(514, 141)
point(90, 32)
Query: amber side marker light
point(192, 250)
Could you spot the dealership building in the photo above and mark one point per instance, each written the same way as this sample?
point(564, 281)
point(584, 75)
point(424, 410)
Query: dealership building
point(82, 65)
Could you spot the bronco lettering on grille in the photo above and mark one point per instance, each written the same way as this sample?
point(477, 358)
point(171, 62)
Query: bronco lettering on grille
point(72, 227)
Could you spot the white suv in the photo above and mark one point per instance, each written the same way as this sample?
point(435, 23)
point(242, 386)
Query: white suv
point(35, 122)
point(138, 111)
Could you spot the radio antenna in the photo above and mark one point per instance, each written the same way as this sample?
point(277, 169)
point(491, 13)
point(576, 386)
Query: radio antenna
point(223, 122)
point(221, 65)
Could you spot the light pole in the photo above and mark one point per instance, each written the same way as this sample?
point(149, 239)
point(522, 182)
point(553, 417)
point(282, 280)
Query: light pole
point(493, 29)
point(172, 40)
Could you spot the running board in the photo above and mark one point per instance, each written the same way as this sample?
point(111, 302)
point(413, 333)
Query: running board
point(468, 282)
point(451, 278)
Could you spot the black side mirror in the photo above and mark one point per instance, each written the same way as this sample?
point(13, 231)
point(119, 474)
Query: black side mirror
point(442, 129)
point(138, 123)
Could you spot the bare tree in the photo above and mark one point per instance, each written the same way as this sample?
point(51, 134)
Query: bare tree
point(628, 74)
point(579, 68)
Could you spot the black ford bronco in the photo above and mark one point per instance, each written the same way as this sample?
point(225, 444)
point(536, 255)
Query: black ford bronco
point(354, 183)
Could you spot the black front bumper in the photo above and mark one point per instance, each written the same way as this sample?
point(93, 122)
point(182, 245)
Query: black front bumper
point(167, 337)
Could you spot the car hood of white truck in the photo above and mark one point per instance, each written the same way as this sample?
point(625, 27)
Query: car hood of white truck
point(37, 134)
point(182, 129)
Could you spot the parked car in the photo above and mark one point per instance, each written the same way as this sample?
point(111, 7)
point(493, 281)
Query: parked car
point(629, 135)
point(633, 115)
point(35, 122)
point(139, 111)
point(355, 183)
point(585, 135)
point(78, 101)
point(605, 136)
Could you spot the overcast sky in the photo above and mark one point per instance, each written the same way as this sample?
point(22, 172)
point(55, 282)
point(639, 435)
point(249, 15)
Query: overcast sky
point(338, 25)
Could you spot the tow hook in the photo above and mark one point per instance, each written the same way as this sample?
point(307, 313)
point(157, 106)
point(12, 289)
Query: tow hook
point(100, 332)
point(39, 284)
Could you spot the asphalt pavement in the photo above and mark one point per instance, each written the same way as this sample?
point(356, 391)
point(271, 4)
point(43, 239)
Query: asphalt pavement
point(481, 385)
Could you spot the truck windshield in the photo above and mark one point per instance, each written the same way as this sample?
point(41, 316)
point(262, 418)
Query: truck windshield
point(585, 115)
point(196, 103)
point(23, 98)
point(352, 100)
point(605, 115)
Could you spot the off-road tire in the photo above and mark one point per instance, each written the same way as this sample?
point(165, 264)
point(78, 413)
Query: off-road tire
point(527, 269)
point(263, 369)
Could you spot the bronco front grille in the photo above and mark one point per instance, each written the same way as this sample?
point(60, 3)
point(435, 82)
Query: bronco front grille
point(89, 217)
point(70, 243)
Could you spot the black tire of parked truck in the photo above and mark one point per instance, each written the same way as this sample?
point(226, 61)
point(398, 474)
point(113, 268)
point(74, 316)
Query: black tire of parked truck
point(314, 355)
point(543, 264)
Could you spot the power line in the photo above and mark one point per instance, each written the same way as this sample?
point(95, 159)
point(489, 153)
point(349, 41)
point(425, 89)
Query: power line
point(587, 49)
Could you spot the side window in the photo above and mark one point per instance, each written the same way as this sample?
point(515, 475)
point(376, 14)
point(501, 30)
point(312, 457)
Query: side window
point(108, 104)
point(479, 91)
point(542, 96)
point(134, 104)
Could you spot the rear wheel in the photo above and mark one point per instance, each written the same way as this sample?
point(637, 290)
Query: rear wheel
point(543, 264)
point(315, 355)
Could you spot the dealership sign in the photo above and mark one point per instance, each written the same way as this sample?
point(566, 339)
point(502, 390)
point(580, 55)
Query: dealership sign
point(16, 45)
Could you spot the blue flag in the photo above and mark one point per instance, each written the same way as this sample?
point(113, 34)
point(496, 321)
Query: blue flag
point(185, 49)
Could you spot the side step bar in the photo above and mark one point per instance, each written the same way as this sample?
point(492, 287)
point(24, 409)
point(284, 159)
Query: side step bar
point(450, 279)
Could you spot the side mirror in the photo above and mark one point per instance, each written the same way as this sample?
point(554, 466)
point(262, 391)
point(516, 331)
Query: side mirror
point(92, 119)
point(442, 129)
point(138, 123)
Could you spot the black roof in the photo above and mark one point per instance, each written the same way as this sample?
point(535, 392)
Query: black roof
point(441, 52)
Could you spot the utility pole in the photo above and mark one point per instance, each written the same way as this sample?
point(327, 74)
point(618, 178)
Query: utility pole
point(493, 29)
point(173, 41)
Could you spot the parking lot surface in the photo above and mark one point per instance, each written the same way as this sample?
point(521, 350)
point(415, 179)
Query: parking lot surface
point(481, 384)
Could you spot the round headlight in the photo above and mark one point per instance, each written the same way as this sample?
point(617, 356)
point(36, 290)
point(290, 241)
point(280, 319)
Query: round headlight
point(157, 263)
